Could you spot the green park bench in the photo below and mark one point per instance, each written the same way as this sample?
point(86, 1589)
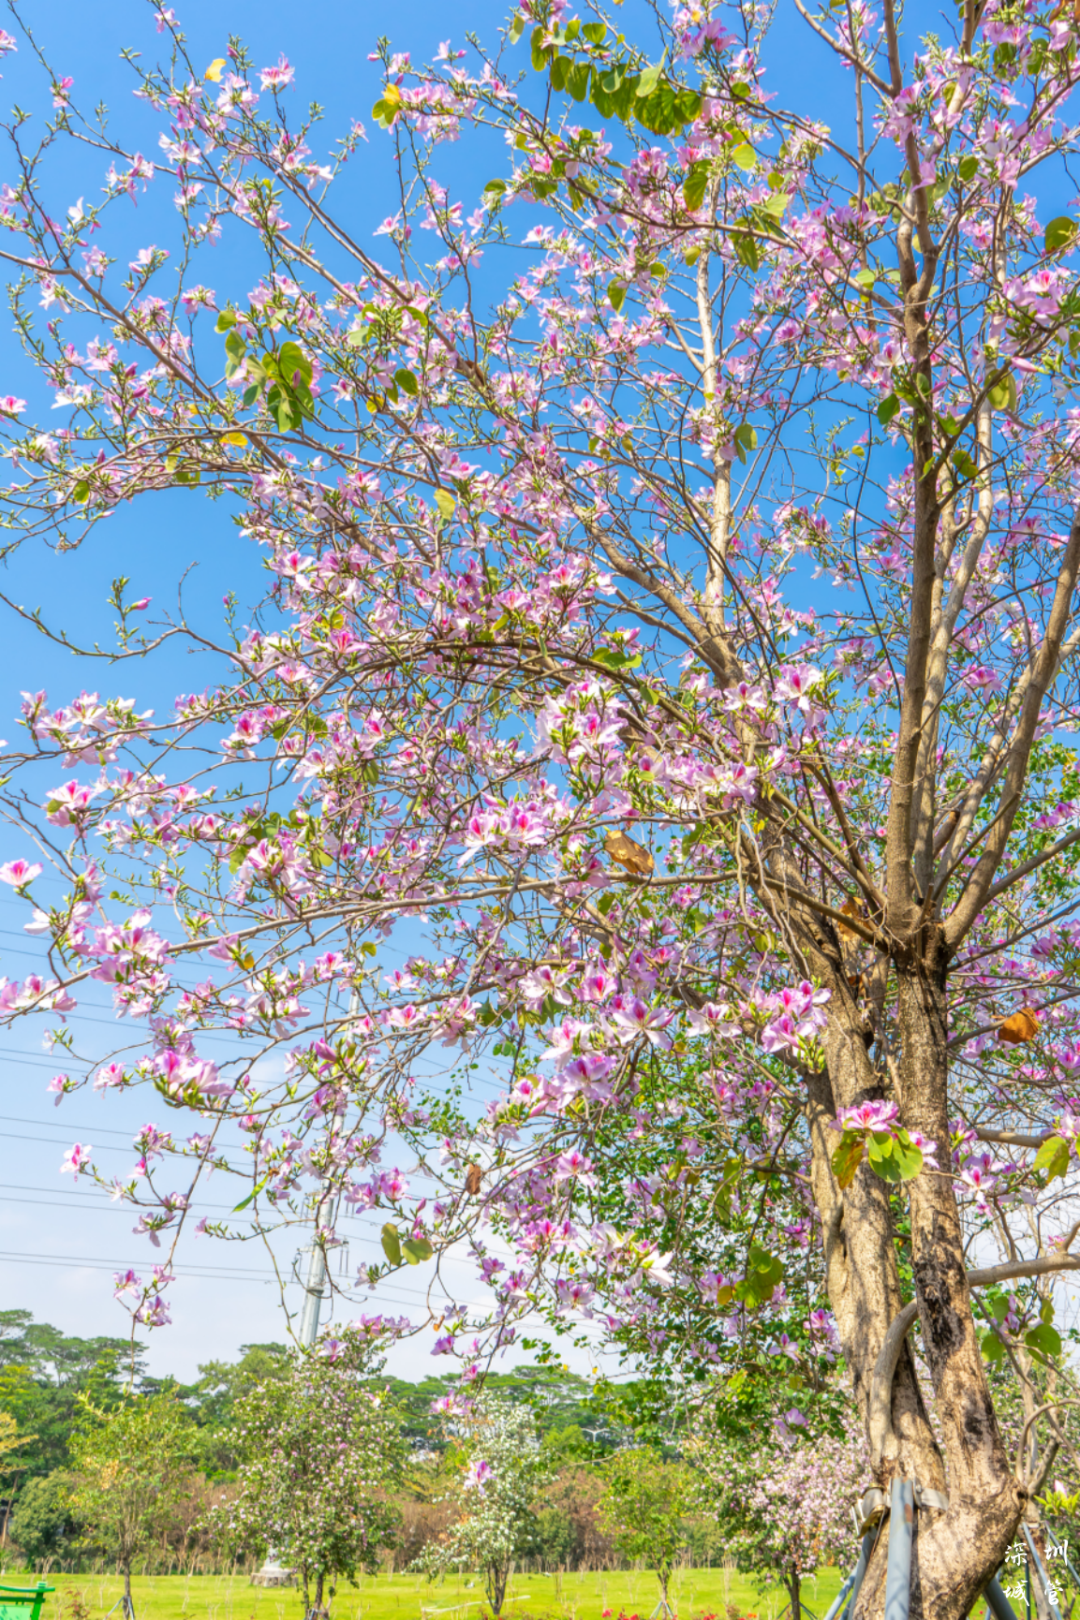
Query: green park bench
point(23, 1603)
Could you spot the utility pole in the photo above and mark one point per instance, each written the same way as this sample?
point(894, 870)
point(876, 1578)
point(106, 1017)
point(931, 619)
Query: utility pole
point(313, 1292)
point(273, 1573)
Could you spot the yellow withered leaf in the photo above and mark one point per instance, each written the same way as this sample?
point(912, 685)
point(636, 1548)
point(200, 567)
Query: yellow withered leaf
point(850, 908)
point(214, 71)
point(238, 439)
point(472, 1180)
point(1019, 1027)
point(629, 853)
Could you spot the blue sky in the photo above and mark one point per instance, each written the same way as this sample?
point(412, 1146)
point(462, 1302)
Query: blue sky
point(58, 1245)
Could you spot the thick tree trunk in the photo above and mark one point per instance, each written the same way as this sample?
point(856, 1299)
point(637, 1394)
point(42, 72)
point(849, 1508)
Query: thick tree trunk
point(957, 1550)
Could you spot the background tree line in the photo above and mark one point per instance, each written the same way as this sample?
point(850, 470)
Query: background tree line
point(60, 1391)
point(320, 1455)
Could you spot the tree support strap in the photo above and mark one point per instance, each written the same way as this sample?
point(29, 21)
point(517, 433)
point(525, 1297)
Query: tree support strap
point(905, 1496)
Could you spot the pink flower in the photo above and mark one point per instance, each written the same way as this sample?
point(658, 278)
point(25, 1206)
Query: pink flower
point(19, 873)
point(277, 78)
point(11, 406)
point(478, 1474)
point(868, 1116)
point(927, 1148)
point(76, 1159)
point(573, 1166)
point(981, 678)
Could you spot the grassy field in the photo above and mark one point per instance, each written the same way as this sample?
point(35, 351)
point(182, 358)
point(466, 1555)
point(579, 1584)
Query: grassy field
point(695, 1593)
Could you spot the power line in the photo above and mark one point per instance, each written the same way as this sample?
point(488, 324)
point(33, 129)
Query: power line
point(182, 1269)
point(18, 1136)
point(217, 1273)
point(94, 1200)
point(66, 1125)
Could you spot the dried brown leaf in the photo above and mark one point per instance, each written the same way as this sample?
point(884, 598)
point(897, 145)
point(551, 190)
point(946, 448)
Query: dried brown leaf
point(1019, 1027)
point(629, 853)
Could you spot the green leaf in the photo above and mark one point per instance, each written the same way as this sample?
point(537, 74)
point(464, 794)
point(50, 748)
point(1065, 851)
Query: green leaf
point(1044, 1338)
point(695, 185)
point(745, 156)
point(1002, 396)
point(560, 70)
point(664, 111)
point(746, 250)
point(391, 1243)
point(595, 33)
point(384, 112)
point(81, 492)
point(887, 409)
point(746, 436)
point(228, 318)
point(495, 188)
point(446, 503)
point(1060, 232)
point(517, 28)
point(577, 81)
point(600, 98)
point(865, 278)
point(993, 1349)
point(688, 106)
point(847, 1159)
point(964, 464)
point(615, 658)
point(968, 168)
point(407, 383)
point(283, 408)
point(416, 1249)
point(773, 207)
point(294, 365)
point(894, 1158)
point(648, 81)
point(251, 1197)
point(235, 353)
point(1053, 1157)
point(616, 294)
point(764, 1273)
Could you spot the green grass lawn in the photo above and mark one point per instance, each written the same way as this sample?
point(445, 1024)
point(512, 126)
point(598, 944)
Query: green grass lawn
point(694, 1592)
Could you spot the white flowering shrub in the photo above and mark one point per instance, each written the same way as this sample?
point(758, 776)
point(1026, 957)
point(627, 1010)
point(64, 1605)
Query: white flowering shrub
point(496, 1493)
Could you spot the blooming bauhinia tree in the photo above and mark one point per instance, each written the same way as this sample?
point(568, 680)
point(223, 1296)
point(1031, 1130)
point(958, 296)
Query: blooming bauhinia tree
point(668, 653)
point(495, 1493)
point(320, 1452)
point(784, 1504)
